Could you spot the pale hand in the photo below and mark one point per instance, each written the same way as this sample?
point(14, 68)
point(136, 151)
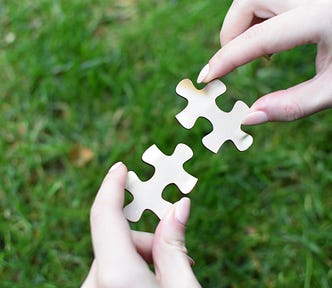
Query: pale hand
point(253, 28)
point(121, 255)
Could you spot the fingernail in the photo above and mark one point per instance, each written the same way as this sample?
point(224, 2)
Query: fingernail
point(182, 210)
point(191, 261)
point(204, 72)
point(115, 166)
point(254, 118)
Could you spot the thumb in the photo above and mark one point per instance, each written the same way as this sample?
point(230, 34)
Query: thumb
point(169, 251)
point(293, 103)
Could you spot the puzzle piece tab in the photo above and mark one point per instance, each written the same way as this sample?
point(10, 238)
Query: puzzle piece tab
point(226, 125)
point(168, 169)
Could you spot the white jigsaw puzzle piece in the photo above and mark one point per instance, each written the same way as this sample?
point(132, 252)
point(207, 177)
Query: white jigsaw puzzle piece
point(199, 101)
point(168, 169)
point(226, 125)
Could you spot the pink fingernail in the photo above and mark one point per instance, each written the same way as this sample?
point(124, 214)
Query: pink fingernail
point(115, 166)
point(191, 261)
point(182, 210)
point(204, 72)
point(255, 117)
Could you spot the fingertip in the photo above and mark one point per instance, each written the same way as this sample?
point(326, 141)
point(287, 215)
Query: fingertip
point(118, 166)
point(113, 185)
point(178, 213)
point(216, 67)
point(170, 252)
point(117, 172)
point(203, 74)
point(258, 113)
point(115, 166)
point(182, 210)
point(255, 118)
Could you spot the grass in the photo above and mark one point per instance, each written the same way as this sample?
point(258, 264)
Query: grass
point(87, 83)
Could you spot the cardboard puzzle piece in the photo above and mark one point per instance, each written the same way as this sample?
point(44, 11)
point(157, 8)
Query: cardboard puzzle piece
point(226, 125)
point(168, 169)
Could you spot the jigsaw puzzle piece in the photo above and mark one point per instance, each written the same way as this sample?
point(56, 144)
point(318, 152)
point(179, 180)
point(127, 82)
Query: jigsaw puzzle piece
point(227, 126)
point(168, 169)
point(143, 199)
point(171, 167)
point(199, 101)
point(202, 103)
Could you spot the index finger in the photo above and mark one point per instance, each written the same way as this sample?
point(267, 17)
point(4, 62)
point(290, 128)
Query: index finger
point(244, 14)
point(280, 33)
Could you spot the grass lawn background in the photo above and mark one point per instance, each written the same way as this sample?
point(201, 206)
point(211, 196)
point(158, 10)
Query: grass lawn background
point(86, 83)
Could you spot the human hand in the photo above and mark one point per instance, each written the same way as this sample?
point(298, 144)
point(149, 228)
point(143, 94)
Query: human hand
point(121, 255)
point(280, 25)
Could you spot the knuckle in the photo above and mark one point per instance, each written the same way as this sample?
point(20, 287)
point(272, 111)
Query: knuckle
point(254, 32)
point(293, 111)
point(175, 244)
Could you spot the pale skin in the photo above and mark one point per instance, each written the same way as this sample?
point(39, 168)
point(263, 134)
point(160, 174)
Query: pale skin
point(253, 28)
point(122, 256)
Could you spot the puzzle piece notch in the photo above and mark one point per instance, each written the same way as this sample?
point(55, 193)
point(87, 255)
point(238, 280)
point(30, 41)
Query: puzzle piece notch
point(168, 169)
point(226, 125)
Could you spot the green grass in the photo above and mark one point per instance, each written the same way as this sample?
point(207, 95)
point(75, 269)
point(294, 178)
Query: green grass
point(86, 83)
